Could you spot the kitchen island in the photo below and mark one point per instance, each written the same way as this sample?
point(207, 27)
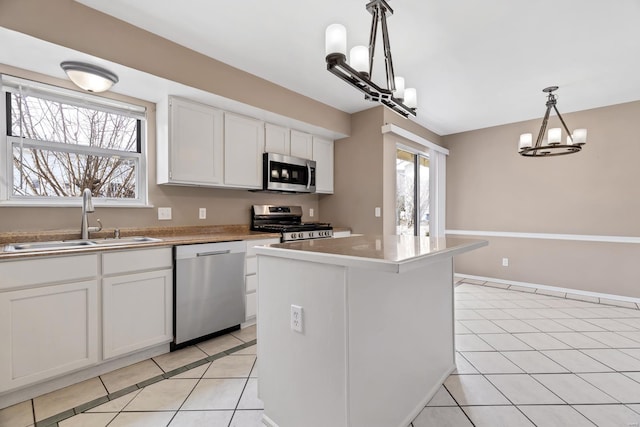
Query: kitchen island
point(375, 334)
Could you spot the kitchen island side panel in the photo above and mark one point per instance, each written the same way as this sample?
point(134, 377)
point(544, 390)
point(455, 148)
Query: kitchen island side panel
point(302, 374)
point(400, 341)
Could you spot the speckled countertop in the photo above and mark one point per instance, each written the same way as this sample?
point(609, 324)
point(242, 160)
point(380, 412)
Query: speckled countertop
point(170, 236)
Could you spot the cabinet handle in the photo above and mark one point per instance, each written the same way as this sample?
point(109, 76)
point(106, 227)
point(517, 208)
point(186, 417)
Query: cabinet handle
point(213, 253)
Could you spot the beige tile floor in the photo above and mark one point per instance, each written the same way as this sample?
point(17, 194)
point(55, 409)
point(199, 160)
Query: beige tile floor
point(523, 359)
point(529, 359)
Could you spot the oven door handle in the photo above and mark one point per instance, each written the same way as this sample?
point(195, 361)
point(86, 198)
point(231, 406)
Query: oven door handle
point(308, 175)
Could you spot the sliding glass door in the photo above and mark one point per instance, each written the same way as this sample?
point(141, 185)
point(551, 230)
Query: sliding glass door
point(412, 193)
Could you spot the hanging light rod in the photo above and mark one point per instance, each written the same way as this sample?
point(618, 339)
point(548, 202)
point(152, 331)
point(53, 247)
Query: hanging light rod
point(552, 146)
point(359, 70)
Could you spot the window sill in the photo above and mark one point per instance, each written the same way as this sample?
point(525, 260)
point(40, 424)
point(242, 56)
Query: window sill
point(77, 204)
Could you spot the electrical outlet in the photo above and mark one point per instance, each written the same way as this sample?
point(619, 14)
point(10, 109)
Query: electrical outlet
point(164, 214)
point(505, 262)
point(377, 212)
point(296, 318)
point(311, 212)
point(202, 213)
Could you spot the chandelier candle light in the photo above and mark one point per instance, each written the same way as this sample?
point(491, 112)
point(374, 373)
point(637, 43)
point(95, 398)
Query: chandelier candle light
point(553, 145)
point(358, 71)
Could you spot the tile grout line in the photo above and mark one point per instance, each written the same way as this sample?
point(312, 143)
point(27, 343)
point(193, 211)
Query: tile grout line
point(140, 385)
point(242, 392)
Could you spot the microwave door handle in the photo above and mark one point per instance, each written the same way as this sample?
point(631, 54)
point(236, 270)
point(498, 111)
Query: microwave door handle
point(308, 175)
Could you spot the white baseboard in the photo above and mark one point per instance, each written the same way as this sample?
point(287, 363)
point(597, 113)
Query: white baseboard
point(596, 297)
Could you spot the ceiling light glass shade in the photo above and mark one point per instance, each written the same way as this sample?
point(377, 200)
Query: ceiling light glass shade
point(555, 135)
point(526, 141)
point(580, 136)
point(411, 97)
point(359, 59)
point(399, 93)
point(335, 39)
point(89, 77)
point(553, 145)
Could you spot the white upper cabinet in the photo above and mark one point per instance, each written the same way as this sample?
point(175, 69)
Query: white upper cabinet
point(243, 148)
point(195, 143)
point(199, 145)
point(301, 144)
point(323, 155)
point(277, 139)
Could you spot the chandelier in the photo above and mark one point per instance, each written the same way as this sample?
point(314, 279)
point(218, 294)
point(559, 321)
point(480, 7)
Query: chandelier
point(358, 71)
point(552, 146)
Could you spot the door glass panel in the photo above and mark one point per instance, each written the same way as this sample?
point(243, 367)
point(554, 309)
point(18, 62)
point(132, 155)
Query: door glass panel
point(423, 197)
point(405, 192)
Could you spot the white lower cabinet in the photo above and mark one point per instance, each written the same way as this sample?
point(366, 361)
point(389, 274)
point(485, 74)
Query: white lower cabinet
point(53, 308)
point(48, 330)
point(137, 305)
point(251, 280)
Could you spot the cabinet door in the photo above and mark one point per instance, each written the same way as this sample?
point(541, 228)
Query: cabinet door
point(323, 155)
point(195, 143)
point(137, 311)
point(301, 144)
point(243, 148)
point(276, 139)
point(47, 331)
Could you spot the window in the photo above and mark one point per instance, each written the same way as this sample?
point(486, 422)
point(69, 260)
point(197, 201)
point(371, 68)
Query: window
point(412, 193)
point(59, 142)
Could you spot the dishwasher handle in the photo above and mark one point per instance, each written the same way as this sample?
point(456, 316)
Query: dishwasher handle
point(228, 251)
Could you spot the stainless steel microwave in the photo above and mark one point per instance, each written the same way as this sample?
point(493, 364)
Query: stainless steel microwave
point(288, 174)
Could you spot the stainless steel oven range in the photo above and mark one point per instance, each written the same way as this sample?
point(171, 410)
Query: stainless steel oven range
point(287, 220)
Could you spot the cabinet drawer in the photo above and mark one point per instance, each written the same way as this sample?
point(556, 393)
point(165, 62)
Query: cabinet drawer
point(251, 265)
point(251, 306)
point(251, 283)
point(31, 272)
point(136, 260)
point(339, 234)
point(251, 244)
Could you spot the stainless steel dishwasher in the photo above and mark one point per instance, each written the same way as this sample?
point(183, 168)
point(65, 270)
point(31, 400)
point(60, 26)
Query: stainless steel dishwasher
point(209, 290)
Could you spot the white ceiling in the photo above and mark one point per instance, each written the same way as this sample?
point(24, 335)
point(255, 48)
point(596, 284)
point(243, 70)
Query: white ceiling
point(474, 63)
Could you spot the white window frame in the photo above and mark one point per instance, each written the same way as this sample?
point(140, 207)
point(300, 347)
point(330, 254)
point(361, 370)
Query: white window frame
point(53, 93)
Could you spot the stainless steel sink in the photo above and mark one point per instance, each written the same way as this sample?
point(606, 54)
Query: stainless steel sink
point(125, 241)
point(47, 246)
point(73, 244)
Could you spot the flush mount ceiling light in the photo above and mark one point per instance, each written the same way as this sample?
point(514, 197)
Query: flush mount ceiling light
point(552, 146)
point(88, 76)
point(358, 71)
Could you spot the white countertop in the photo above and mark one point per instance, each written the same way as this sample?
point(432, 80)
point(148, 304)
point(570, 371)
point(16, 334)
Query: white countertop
point(386, 253)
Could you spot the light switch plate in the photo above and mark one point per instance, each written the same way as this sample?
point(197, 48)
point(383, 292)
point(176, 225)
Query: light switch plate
point(202, 213)
point(377, 212)
point(164, 214)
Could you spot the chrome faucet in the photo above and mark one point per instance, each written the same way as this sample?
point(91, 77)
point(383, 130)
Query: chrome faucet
point(87, 207)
